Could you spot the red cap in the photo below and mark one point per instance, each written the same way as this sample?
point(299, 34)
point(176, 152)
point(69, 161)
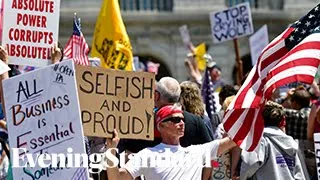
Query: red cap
point(167, 112)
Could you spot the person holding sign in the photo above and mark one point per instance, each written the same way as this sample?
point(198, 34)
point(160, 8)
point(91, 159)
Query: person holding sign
point(168, 159)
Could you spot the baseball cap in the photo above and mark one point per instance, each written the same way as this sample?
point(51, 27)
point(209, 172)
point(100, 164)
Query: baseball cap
point(210, 62)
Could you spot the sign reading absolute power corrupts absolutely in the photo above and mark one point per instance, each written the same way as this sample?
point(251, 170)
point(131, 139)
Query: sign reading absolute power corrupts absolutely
point(231, 23)
point(30, 27)
point(113, 99)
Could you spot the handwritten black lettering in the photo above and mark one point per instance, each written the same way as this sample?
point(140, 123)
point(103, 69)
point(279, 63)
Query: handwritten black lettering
point(98, 84)
point(107, 123)
point(120, 106)
point(58, 135)
point(232, 23)
point(84, 76)
point(59, 78)
point(105, 84)
point(19, 114)
point(42, 122)
point(98, 119)
point(26, 91)
point(86, 116)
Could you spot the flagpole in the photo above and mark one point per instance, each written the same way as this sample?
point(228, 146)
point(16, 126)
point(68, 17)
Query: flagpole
point(238, 62)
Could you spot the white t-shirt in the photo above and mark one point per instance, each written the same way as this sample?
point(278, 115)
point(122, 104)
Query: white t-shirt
point(172, 162)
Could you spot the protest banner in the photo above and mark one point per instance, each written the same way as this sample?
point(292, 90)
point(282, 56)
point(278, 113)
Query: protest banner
point(30, 27)
point(258, 41)
point(184, 32)
point(113, 99)
point(231, 23)
point(316, 137)
point(43, 116)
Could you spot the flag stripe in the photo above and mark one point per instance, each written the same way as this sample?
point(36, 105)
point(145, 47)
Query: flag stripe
point(291, 75)
point(245, 126)
point(279, 71)
point(249, 139)
point(258, 130)
point(277, 44)
point(229, 120)
point(233, 105)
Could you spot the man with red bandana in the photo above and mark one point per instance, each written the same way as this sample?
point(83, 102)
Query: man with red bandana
point(168, 160)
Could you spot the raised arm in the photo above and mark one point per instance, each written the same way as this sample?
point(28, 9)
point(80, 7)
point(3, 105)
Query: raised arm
point(225, 144)
point(116, 172)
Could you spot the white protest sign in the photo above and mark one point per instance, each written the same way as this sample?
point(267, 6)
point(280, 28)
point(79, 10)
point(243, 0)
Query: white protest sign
point(231, 23)
point(29, 30)
point(316, 137)
point(184, 32)
point(258, 41)
point(43, 116)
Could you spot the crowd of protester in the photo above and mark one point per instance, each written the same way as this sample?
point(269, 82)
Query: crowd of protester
point(184, 127)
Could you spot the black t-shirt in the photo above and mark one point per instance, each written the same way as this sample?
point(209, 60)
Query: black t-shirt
point(196, 132)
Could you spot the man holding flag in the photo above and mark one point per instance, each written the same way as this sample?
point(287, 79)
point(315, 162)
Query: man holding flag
point(110, 41)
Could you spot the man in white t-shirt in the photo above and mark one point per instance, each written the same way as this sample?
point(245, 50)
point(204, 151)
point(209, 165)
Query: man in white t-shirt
point(169, 160)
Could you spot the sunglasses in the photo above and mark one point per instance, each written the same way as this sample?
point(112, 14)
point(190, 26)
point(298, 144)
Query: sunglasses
point(174, 120)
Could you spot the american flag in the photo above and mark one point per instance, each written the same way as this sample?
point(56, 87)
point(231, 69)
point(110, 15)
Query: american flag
point(77, 47)
point(207, 91)
point(292, 56)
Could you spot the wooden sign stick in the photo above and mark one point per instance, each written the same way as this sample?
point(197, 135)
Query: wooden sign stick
point(238, 62)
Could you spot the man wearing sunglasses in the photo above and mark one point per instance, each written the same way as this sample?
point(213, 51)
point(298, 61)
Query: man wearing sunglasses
point(167, 92)
point(168, 160)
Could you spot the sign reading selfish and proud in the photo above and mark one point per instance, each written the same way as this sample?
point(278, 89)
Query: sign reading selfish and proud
point(43, 116)
point(231, 23)
point(29, 30)
point(113, 99)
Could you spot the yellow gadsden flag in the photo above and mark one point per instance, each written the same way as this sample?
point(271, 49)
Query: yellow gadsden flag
point(199, 51)
point(110, 40)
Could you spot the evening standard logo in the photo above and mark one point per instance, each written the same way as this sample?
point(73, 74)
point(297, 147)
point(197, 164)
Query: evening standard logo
point(97, 162)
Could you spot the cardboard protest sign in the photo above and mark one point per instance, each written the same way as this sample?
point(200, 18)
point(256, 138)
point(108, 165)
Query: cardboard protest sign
point(258, 41)
point(43, 116)
point(316, 137)
point(231, 23)
point(29, 30)
point(113, 99)
point(184, 32)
